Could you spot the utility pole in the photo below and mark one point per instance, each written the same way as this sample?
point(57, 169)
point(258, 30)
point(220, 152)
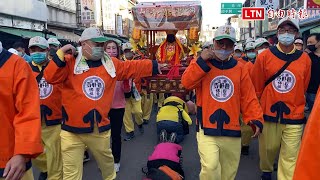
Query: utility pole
point(101, 16)
point(250, 33)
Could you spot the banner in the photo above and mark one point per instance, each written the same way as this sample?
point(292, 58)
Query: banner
point(119, 25)
point(87, 11)
point(267, 4)
point(109, 8)
point(179, 15)
point(313, 4)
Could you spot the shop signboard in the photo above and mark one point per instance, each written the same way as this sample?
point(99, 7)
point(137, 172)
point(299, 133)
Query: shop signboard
point(313, 16)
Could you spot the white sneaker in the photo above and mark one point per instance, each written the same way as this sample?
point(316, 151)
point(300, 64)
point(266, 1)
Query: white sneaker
point(117, 167)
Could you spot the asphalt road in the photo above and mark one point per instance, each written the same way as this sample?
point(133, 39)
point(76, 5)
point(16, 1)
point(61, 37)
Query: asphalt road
point(135, 154)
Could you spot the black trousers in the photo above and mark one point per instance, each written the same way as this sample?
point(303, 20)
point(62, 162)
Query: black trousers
point(116, 120)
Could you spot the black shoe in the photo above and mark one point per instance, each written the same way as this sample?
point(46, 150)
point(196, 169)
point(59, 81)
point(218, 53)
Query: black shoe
point(43, 176)
point(163, 136)
point(266, 176)
point(145, 122)
point(86, 157)
point(141, 129)
point(173, 137)
point(129, 136)
point(245, 150)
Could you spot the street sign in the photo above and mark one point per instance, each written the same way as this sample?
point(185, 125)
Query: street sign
point(231, 8)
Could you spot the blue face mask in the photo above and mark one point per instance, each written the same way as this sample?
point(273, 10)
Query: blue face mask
point(286, 39)
point(38, 57)
point(251, 55)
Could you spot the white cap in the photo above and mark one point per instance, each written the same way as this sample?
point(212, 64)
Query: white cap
point(225, 32)
point(13, 51)
point(54, 41)
point(298, 41)
point(238, 47)
point(39, 41)
point(250, 45)
point(261, 41)
point(94, 34)
point(126, 46)
point(288, 20)
point(207, 44)
point(249, 40)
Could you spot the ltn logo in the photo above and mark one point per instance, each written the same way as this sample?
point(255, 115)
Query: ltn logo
point(253, 13)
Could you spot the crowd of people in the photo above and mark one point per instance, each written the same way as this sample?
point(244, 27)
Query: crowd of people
point(82, 96)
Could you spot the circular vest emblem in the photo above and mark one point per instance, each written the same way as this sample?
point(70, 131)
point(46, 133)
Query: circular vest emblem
point(45, 89)
point(285, 82)
point(221, 88)
point(93, 87)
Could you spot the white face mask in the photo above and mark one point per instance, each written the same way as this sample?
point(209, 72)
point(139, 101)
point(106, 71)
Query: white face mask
point(261, 50)
point(1, 48)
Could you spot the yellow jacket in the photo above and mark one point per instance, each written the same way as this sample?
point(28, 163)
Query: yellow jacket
point(170, 113)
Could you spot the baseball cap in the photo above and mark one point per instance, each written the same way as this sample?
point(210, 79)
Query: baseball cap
point(54, 41)
point(288, 20)
point(39, 41)
point(126, 46)
point(249, 40)
point(238, 47)
point(94, 34)
point(298, 41)
point(13, 51)
point(225, 32)
point(207, 44)
point(260, 41)
point(250, 45)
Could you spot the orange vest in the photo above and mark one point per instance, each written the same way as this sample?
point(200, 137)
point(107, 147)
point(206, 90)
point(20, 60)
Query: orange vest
point(20, 130)
point(283, 98)
point(50, 99)
point(223, 88)
point(307, 167)
point(249, 67)
point(243, 60)
point(87, 97)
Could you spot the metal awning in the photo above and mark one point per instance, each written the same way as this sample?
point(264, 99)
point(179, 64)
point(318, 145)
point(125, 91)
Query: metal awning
point(23, 32)
point(306, 28)
point(65, 35)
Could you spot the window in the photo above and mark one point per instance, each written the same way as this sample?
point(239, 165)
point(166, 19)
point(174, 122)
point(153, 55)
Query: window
point(281, 5)
point(300, 3)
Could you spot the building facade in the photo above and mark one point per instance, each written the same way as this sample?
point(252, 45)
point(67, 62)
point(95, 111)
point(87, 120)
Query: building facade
point(22, 19)
point(62, 19)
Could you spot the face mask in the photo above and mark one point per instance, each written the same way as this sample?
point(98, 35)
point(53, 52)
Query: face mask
point(20, 54)
point(128, 55)
point(286, 39)
point(171, 38)
point(312, 48)
point(223, 54)
point(251, 55)
point(96, 53)
point(237, 54)
point(1, 47)
point(261, 50)
point(112, 52)
point(38, 57)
